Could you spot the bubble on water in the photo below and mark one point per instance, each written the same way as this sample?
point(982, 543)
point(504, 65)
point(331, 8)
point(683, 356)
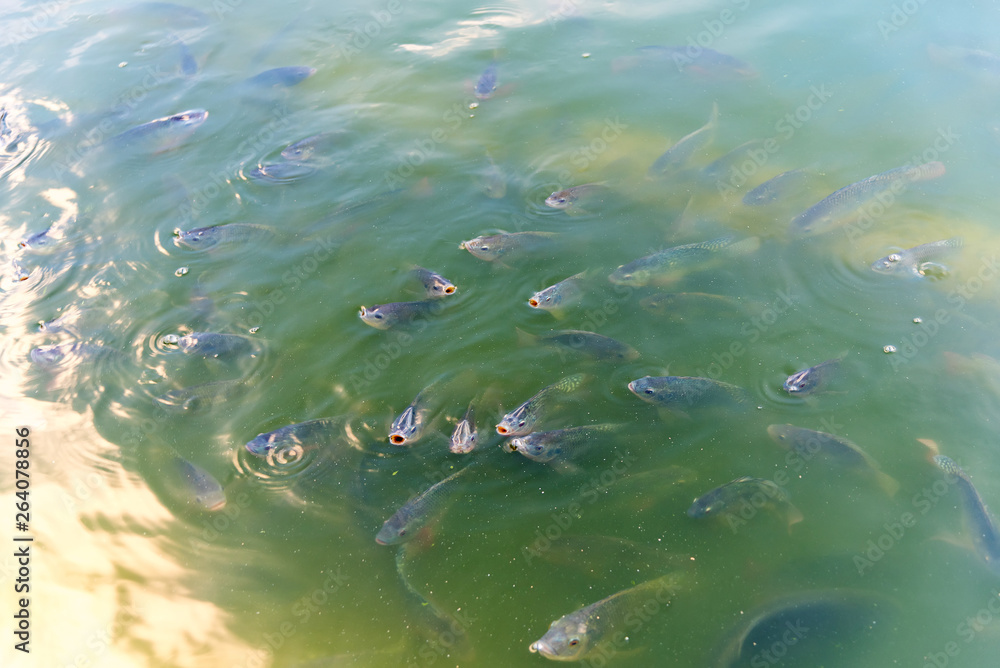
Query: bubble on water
point(918, 320)
point(124, 63)
point(586, 55)
point(181, 271)
point(170, 339)
point(254, 330)
point(889, 349)
point(473, 105)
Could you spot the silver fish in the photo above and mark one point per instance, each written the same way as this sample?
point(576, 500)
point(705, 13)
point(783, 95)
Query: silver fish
point(776, 187)
point(570, 197)
point(595, 346)
point(304, 435)
point(677, 156)
point(211, 344)
point(560, 295)
point(282, 76)
point(913, 260)
point(985, 534)
point(463, 439)
point(507, 245)
point(667, 265)
point(384, 316)
point(680, 392)
point(730, 498)
point(418, 511)
point(486, 85)
point(202, 487)
point(840, 206)
point(809, 380)
point(203, 238)
point(557, 445)
point(521, 420)
point(162, 134)
point(409, 426)
point(281, 172)
point(435, 285)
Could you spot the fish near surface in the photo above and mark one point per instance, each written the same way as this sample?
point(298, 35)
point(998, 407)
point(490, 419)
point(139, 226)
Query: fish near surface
point(409, 426)
point(812, 379)
point(486, 85)
point(732, 497)
point(583, 633)
point(680, 392)
point(980, 522)
point(418, 511)
point(841, 206)
point(559, 444)
point(521, 420)
point(435, 285)
point(595, 346)
point(162, 134)
point(463, 439)
point(571, 197)
point(677, 156)
point(203, 238)
point(507, 246)
point(560, 295)
point(211, 344)
point(808, 443)
point(304, 435)
point(670, 264)
point(197, 397)
point(201, 486)
point(394, 314)
point(913, 261)
point(775, 188)
point(282, 76)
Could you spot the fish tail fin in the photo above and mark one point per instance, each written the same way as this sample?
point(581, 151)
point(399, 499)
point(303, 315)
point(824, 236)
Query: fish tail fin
point(713, 118)
point(888, 484)
point(525, 338)
point(794, 516)
point(932, 448)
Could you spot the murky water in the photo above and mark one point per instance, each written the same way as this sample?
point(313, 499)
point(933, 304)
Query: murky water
point(130, 569)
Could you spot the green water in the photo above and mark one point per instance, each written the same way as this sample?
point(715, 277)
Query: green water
point(128, 571)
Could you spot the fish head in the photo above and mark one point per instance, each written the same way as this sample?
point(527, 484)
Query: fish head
point(629, 275)
point(463, 439)
point(406, 428)
point(439, 286)
point(198, 238)
point(264, 444)
point(652, 389)
point(801, 382)
point(487, 248)
point(563, 641)
point(704, 506)
point(214, 499)
point(559, 200)
point(534, 449)
point(48, 356)
point(379, 317)
point(516, 423)
point(781, 434)
point(888, 264)
point(393, 532)
point(547, 298)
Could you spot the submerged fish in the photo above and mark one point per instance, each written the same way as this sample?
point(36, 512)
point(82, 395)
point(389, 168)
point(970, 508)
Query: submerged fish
point(776, 187)
point(409, 426)
point(576, 636)
point(435, 285)
point(282, 76)
point(201, 486)
point(677, 156)
point(507, 245)
point(721, 167)
point(384, 316)
point(487, 83)
point(671, 263)
point(189, 66)
point(418, 511)
point(971, 61)
point(305, 435)
point(595, 346)
point(560, 295)
point(65, 353)
point(809, 380)
point(985, 535)
point(521, 420)
point(565, 199)
point(311, 147)
point(202, 238)
point(548, 446)
point(197, 397)
point(679, 304)
point(703, 61)
point(744, 492)
point(162, 134)
point(211, 344)
point(493, 181)
point(807, 444)
point(840, 206)
point(463, 439)
point(281, 172)
point(680, 392)
point(914, 260)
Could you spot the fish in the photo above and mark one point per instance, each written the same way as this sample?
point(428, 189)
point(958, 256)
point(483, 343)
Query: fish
point(282, 76)
point(732, 497)
point(463, 439)
point(309, 148)
point(198, 397)
point(774, 188)
point(486, 85)
point(980, 521)
point(703, 62)
point(60, 354)
point(570, 197)
point(915, 260)
point(839, 207)
point(679, 392)
point(200, 485)
point(812, 627)
point(211, 344)
point(162, 134)
point(521, 421)
point(560, 295)
point(507, 245)
point(189, 66)
point(808, 443)
point(667, 265)
point(203, 238)
point(678, 304)
point(38, 240)
point(306, 435)
point(595, 346)
point(580, 634)
point(281, 172)
point(557, 445)
point(394, 314)
point(435, 285)
point(409, 425)
point(493, 181)
point(810, 380)
point(722, 166)
point(677, 156)
point(970, 61)
point(418, 511)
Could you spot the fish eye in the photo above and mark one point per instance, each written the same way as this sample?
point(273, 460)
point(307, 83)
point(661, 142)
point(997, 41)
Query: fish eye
point(521, 423)
point(484, 248)
point(378, 316)
point(648, 390)
point(574, 642)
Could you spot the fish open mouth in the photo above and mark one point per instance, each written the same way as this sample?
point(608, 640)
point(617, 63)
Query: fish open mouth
point(502, 429)
point(363, 312)
point(533, 303)
point(397, 439)
point(449, 290)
